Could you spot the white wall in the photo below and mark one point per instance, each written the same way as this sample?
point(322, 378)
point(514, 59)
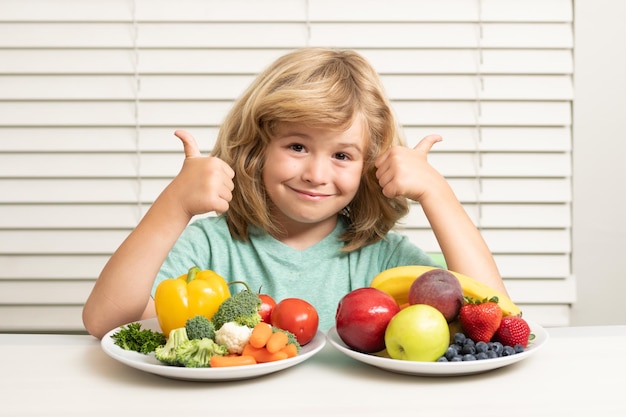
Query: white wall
point(599, 215)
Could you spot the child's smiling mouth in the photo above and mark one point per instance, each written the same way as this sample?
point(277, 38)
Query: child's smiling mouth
point(310, 195)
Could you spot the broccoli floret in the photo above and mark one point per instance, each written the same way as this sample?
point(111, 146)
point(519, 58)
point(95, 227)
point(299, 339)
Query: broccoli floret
point(241, 308)
point(167, 353)
point(196, 353)
point(290, 337)
point(199, 327)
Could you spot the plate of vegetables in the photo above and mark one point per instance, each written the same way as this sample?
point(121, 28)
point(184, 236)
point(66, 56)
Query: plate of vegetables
point(145, 336)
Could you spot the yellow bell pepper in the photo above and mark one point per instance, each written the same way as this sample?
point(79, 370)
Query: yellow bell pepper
point(199, 292)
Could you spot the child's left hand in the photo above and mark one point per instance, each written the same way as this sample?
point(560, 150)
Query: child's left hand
point(405, 172)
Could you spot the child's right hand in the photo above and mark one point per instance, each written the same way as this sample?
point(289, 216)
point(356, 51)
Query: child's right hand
point(204, 183)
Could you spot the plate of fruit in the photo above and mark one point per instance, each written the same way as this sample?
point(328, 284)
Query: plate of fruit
point(428, 321)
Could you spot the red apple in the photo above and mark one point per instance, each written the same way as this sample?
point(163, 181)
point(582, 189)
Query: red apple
point(438, 288)
point(362, 317)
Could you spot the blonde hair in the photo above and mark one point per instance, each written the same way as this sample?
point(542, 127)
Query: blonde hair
point(316, 87)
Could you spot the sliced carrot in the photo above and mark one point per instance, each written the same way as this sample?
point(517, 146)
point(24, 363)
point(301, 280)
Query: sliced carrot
point(231, 360)
point(262, 355)
point(260, 335)
point(276, 342)
point(291, 350)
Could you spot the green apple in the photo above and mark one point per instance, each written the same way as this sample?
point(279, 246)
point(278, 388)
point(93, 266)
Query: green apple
point(418, 332)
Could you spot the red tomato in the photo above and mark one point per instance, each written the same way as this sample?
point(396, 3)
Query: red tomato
point(297, 316)
point(267, 306)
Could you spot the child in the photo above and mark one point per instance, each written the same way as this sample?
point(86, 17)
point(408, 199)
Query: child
point(308, 176)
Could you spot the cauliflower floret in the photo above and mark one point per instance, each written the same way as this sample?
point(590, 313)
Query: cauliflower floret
point(233, 336)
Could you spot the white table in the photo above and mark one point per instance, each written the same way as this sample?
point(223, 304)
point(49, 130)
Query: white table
point(580, 371)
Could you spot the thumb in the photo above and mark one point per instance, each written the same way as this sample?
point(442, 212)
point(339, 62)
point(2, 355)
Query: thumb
point(427, 143)
point(189, 144)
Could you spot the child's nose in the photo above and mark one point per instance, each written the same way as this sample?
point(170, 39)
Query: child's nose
point(316, 170)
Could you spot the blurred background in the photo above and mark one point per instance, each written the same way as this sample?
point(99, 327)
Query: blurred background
point(529, 96)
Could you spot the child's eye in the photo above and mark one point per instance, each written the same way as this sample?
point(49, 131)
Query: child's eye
point(342, 156)
point(296, 147)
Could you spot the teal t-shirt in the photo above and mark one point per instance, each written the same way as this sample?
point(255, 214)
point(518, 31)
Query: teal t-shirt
point(321, 274)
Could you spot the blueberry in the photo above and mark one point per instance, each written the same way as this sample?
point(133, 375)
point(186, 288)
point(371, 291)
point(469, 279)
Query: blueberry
point(508, 351)
point(518, 348)
point(469, 357)
point(442, 359)
point(481, 347)
point(469, 342)
point(459, 338)
point(451, 352)
point(468, 349)
point(497, 347)
point(482, 355)
point(491, 354)
point(457, 358)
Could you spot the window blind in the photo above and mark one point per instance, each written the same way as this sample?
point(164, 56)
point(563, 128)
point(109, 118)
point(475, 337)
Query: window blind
point(91, 92)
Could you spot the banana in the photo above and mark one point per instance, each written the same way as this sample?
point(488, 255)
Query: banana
point(397, 281)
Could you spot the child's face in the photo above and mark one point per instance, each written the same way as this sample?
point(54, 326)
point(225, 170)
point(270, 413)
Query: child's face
point(311, 174)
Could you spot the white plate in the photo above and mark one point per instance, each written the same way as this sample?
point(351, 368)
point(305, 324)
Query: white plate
point(149, 363)
point(441, 368)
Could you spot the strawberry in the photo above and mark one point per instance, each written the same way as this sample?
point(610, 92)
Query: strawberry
point(480, 318)
point(513, 330)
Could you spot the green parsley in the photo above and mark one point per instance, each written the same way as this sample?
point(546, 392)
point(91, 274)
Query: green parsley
point(133, 337)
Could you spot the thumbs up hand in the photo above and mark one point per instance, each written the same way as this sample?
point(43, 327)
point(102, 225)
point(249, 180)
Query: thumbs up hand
point(405, 172)
point(204, 183)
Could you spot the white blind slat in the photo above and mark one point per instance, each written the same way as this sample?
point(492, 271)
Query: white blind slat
point(222, 35)
point(543, 291)
point(549, 315)
point(57, 318)
point(79, 190)
point(65, 61)
point(252, 61)
point(492, 113)
point(215, 10)
point(89, 216)
point(229, 87)
point(502, 164)
point(494, 139)
point(442, 35)
point(61, 242)
point(44, 292)
point(65, 10)
point(506, 216)
point(506, 241)
point(466, 61)
point(66, 35)
point(100, 139)
point(320, 10)
point(555, 266)
point(55, 267)
point(520, 190)
point(443, 10)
